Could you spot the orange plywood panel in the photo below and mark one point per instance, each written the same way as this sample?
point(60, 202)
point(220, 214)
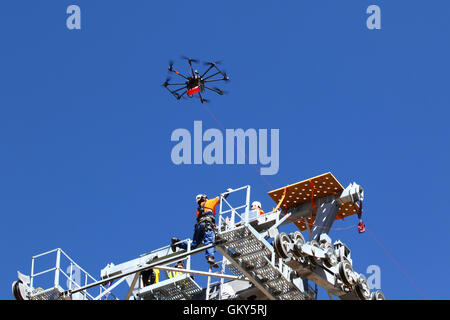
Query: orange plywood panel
point(319, 187)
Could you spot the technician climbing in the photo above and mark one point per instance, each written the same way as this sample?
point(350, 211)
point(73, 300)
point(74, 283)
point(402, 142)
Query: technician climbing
point(204, 227)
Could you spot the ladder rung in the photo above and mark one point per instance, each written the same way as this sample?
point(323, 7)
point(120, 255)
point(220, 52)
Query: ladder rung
point(250, 254)
point(227, 243)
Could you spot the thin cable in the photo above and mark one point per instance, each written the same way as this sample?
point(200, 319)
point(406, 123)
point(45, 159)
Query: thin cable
point(397, 264)
point(346, 228)
point(245, 154)
point(262, 177)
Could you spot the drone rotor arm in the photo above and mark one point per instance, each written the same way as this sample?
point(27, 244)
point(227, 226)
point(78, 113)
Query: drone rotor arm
point(214, 80)
point(201, 98)
point(210, 67)
point(189, 60)
point(212, 75)
point(174, 71)
point(180, 95)
point(175, 84)
point(215, 66)
point(174, 92)
point(192, 69)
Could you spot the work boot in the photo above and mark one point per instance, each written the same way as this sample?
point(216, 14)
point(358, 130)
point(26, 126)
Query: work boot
point(212, 262)
point(174, 246)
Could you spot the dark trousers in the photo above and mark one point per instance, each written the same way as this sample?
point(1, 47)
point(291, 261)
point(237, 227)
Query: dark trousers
point(201, 234)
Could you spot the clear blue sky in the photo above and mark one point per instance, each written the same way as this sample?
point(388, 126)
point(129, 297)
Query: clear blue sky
point(85, 125)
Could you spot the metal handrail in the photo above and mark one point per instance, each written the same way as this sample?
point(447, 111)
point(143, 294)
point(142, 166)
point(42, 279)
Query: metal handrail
point(57, 269)
point(234, 210)
point(45, 271)
point(146, 267)
point(74, 263)
point(71, 280)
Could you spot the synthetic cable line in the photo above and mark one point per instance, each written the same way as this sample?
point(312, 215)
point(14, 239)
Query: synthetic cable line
point(329, 228)
point(313, 204)
point(267, 182)
point(245, 154)
point(397, 264)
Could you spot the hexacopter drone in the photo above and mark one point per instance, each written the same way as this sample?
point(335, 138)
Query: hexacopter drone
point(195, 83)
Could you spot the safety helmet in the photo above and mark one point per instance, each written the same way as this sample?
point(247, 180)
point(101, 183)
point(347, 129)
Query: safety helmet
point(199, 197)
point(256, 203)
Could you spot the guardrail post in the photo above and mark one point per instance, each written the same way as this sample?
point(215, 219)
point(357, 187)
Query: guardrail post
point(220, 213)
point(188, 262)
point(57, 267)
point(247, 205)
point(32, 273)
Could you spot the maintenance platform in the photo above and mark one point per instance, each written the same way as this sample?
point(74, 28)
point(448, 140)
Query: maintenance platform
point(259, 261)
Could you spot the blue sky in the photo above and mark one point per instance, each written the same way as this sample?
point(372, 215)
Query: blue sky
point(85, 125)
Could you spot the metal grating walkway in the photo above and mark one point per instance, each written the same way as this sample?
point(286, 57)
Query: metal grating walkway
point(181, 287)
point(49, 294)
point(251, 256)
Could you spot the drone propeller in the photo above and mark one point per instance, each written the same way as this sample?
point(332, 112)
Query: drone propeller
point(225, 77)
point(170, 65)
point(219, 91)
point(179, 96)
point(166, 82)
point(189, 59)
point(212, 63)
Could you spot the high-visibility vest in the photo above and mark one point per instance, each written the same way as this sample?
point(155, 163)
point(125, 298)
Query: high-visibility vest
point(173, 274)
point(156, 271)
point(206, 206)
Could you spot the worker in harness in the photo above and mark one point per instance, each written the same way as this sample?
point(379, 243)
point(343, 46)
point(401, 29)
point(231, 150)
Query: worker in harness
point(256, 205)
point(204, 227)
point(173, 274)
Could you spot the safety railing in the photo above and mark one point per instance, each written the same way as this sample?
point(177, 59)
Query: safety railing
point(230, 216)
point(64, 268)
point(186, 260)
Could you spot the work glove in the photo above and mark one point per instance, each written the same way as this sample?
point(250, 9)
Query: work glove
point(227, 194)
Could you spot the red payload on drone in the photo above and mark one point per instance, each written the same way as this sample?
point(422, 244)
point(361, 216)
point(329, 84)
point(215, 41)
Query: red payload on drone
point(193, 91)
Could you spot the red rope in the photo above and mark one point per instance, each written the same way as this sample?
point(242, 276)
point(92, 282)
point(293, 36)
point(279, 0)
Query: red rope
point(313, 204)
point(267, 182)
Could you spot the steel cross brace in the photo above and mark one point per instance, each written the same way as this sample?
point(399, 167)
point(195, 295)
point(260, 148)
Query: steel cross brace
point(140, 269)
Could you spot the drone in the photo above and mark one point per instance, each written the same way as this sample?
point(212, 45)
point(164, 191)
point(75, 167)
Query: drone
point(196, 83)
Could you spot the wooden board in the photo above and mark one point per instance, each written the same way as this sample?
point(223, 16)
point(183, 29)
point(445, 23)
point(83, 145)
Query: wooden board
point(300, 192)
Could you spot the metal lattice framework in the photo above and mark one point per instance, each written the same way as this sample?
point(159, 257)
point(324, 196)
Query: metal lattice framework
point(258, 261)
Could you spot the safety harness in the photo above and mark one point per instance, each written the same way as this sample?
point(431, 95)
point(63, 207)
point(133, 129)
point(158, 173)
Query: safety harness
point(205, 216)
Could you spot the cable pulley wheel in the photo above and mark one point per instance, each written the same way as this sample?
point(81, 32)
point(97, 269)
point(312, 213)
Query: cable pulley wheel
point(18, 290)
point(314, 243)
point(362, 289)
point(276, 246)
point(312, 259)
point(281, 245)
point(331, 259)
point(326, 245)
point(345, 272)
point(298, 240)
point(377, 295)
